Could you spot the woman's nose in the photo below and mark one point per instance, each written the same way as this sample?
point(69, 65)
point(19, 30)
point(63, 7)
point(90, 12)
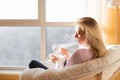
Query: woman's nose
point(75, 35)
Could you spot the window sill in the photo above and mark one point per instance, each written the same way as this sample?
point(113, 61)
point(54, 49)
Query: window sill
point(10, 73)
point(18, 68)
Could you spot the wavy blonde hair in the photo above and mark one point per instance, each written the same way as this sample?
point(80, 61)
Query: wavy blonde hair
point(93, 35)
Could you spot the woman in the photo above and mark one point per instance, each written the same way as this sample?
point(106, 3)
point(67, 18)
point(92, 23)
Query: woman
point(90, 44)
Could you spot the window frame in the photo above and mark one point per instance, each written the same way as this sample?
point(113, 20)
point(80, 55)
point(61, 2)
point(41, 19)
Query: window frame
point(41, 21)
point(36, 22)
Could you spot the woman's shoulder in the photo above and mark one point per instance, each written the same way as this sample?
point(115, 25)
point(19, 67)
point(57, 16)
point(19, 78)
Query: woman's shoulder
point(84, 54)
point(78, 53)
point(82, 50)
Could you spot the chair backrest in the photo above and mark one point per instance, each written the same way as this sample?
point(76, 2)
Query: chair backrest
point(113, 59)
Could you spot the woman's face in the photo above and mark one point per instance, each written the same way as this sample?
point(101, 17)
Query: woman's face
point(79, 34)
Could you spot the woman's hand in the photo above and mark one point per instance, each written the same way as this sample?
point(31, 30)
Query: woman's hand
point(54, 58)
point(65, 52)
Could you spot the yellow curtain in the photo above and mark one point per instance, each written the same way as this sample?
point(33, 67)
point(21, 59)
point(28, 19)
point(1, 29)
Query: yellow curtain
point(112, 27)
point(112, 23)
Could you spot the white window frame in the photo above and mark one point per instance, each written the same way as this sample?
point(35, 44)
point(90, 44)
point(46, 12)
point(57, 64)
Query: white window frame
point(41, 22)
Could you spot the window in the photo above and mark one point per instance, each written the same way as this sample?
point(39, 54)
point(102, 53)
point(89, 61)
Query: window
point(18, 9)
point(19, 45)
point(69, 10)
point(64, 10)
point(64, 37)
point(34, 26)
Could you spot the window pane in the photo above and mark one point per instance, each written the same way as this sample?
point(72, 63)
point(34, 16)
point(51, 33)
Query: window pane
point(18, 9)
point(70, 10)
point(64, 10)
point(60, 36)
point(19, 45)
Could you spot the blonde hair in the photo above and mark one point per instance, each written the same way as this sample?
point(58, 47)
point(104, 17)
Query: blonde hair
point(93, 35)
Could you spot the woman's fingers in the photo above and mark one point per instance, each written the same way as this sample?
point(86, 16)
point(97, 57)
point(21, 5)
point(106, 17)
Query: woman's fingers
point(64, 52)
point(54, 58)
